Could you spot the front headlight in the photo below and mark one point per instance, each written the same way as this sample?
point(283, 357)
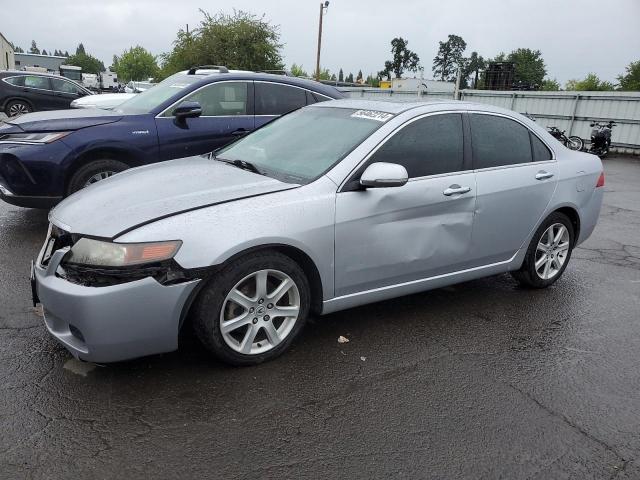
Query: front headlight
point(87, 251)
point(33, 138)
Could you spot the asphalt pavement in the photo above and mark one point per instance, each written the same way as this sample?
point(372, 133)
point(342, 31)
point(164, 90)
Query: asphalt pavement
point(480, 380)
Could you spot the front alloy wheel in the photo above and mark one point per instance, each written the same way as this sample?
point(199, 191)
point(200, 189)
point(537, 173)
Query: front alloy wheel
point(260, 312)
point(253, 308)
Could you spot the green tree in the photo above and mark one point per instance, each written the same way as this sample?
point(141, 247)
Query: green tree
point(631, 79)
point(341, 76)
point(34, 48)
point(591, 83)
point(372, 81)
point(403, 59)
point(44, 52)
point(135, 64)
point(88, 63)
point(66, 54)
point(449, 58)
point(529, 66)
point(240, 41)
point(18, 49)
point(349, 78)
point(298, 71)
point(80, 49)
point(550, 85)
point(325, 74)
point(359, 77)
point(472, 68)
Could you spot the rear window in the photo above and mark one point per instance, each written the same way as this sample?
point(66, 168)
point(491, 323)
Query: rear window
point(498, 141)
point(16, 81)
point(540, 150)
point(278, 99)
point(37, 82)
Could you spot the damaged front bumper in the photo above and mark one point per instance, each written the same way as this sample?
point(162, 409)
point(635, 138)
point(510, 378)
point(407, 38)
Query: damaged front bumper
point(110, 323)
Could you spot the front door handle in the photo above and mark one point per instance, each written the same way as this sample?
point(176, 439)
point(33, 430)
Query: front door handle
point(542, 175)
point(456, 190)
point(240, 131)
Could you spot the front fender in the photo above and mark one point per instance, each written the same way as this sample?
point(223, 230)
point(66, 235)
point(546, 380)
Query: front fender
point(302, 218)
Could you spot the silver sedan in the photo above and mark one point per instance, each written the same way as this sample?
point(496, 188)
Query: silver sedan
point(338, 204)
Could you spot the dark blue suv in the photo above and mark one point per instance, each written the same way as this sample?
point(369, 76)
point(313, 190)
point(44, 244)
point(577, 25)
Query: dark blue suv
point(45, 156)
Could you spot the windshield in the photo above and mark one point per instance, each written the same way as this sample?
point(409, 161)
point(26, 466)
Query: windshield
point(303, 145)
point(149, 99)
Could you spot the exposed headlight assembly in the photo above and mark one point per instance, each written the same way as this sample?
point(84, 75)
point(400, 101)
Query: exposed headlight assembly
point(32, 138)
point(98, 253)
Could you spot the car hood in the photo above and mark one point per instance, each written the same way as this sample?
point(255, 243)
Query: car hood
point(105, 101)
point(142, 195)
point(63, 120)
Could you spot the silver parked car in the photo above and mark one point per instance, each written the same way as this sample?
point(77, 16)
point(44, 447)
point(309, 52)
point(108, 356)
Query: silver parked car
point(335, 205)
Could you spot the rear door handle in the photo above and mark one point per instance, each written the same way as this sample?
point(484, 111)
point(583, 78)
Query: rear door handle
point(240, 131)
point(456, 190)
point(542, 175)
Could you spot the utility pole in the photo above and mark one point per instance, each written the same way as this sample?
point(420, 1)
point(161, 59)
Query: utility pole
point(323, 7)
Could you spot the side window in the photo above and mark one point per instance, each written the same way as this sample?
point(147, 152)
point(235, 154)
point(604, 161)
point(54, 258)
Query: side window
point(64, 86)
point(15, 81)
point(540, 150)
point(224, 98)
point(427, 146)
point(278, 99)
point(498, 141)
point(37, 82)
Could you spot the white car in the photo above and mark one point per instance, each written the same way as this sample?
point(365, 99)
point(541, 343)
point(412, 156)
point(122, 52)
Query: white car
point(105, 101)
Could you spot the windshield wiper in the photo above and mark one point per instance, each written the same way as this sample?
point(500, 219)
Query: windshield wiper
point(243, 164)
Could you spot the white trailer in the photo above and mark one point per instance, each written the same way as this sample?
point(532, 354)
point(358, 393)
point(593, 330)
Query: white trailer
point(90, 81)
point(109, 80)
point(71, 72)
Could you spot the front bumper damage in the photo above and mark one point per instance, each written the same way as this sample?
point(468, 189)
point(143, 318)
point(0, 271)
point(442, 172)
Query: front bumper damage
point(110, 323)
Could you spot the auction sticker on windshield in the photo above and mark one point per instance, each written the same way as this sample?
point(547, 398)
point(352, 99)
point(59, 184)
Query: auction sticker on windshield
point(372, 115)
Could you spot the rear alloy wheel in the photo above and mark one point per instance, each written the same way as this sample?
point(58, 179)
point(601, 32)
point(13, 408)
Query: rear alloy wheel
point(548, 253)
point(253, 309)
point(16, 108)
point(93, 172)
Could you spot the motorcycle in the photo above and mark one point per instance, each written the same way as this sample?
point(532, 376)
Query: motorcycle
point(601, 138)
point(572, 143)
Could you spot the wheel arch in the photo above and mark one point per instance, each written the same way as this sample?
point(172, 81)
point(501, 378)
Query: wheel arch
point(127, 156)
point(22, 99)
point(296, 254)
point(573, 215)
point(301, 258)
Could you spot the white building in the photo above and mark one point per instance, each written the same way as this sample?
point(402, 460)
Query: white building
point(7, 60)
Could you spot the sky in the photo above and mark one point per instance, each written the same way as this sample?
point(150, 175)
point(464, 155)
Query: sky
point(576, 37)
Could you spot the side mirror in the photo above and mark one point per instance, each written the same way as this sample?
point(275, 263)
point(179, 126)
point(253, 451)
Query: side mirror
point(187, 110)
point(382, 174)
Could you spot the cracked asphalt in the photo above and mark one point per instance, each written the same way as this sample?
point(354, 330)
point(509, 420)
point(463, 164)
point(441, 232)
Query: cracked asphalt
point(479, 380)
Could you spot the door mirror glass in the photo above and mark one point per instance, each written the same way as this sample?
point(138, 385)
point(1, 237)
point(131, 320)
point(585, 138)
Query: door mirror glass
point(382, 174)
point(187, 110)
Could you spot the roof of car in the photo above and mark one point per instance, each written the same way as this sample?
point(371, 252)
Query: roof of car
point(269, 77)
point(11, 73)
point(395, 107)
point(386, 106)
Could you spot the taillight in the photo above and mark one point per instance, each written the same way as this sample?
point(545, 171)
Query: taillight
point(600, 180)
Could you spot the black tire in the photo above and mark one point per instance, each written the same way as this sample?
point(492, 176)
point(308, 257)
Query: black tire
point(95, 167)
point(210, 301)
point(17, 107)
point(527, 276)
point(575, 143)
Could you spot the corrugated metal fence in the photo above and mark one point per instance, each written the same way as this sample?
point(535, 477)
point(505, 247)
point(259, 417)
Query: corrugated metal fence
point(570, 111)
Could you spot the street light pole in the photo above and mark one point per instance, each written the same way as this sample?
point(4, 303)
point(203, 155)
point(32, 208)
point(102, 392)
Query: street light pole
point(323, 7)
